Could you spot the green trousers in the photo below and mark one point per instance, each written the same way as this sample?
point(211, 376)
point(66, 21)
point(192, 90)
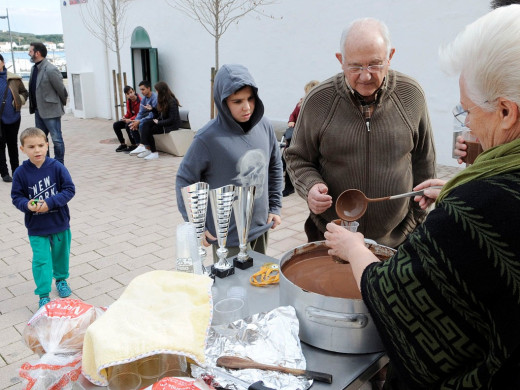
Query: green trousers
point(258, 245)
point(50, 259)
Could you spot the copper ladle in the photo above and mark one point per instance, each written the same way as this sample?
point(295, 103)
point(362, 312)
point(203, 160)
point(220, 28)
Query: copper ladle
point(352, 204)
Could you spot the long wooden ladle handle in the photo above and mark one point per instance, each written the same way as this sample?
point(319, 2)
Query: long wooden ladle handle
point(239, 363)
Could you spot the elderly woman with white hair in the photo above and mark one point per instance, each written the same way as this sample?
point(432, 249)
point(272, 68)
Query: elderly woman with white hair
point(447, 304)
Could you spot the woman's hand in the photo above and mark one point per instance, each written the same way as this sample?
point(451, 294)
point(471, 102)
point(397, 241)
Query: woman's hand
point(155, 121)
point(430, 194)
point(277, 220)
point(351, 247)
point(342, 242)
point(460, 149)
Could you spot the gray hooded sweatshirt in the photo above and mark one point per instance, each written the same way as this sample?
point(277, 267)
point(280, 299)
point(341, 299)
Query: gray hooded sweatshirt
point(224, 152)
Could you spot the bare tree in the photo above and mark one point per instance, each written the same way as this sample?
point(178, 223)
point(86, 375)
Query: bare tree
point(503, 3)
point(217, 15)
point(105, 19)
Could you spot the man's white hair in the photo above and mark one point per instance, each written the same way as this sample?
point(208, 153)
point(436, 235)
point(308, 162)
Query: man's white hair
point(487, 55)
point(383, 29)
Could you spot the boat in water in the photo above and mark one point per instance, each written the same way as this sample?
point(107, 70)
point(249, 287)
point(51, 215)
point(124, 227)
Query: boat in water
point(23, 64)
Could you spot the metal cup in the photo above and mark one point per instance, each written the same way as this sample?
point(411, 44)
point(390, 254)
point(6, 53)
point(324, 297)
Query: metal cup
point(195, 198)
point(221, 207)
point(243, 209)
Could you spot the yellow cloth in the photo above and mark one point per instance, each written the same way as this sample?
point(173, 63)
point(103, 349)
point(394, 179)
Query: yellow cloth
point(159, 312)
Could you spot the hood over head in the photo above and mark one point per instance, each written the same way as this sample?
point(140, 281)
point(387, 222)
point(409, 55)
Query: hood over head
point(229, 79)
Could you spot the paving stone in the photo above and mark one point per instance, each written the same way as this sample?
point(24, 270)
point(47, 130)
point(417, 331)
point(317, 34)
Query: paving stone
point(8, 336)
point(16, 316)
point(103, 274)
point(15, 352)
point(9, 378)
point(95, 289)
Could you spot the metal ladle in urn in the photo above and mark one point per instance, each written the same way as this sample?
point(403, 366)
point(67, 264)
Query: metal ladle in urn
point(352, 205)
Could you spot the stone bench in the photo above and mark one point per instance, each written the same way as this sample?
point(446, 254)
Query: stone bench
point(279, 128)
point(176, 142)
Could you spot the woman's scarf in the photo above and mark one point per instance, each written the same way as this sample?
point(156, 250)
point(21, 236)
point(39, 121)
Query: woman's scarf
point(497, 160)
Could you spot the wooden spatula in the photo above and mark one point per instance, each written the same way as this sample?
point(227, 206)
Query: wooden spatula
point(238, 363)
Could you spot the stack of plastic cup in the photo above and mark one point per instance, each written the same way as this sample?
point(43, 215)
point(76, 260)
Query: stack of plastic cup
point(124, 381)
point(174, 366)
point(188, 258)
point(150, 370)
point(146, 371)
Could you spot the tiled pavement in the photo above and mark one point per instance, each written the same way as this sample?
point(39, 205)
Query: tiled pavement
point(123, 221)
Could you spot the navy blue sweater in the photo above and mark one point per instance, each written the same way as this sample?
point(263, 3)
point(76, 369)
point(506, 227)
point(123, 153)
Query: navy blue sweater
point(52, 183)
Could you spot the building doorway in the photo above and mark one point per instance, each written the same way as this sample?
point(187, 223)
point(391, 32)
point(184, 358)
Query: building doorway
point(145, 59)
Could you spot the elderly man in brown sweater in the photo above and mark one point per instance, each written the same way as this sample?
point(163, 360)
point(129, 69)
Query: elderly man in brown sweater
point(366, 128)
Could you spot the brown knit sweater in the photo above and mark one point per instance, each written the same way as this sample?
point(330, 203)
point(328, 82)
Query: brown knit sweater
point(332, 145)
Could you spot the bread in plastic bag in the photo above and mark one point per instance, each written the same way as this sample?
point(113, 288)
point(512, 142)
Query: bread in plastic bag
point(60, 326)
point(55, 332)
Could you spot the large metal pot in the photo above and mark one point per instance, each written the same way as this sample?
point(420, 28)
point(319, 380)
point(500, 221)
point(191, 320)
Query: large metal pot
point(335, 324)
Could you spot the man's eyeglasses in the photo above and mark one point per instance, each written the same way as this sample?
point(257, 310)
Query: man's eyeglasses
point(370, 68)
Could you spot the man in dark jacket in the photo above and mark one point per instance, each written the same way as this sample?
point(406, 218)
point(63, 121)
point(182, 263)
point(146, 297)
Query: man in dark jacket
point(47, 96)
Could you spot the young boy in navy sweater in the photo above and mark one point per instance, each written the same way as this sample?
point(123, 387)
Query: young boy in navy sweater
point(41, 189)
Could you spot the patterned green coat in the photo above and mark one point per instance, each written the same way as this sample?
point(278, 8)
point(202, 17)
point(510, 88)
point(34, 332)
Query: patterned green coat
point(447, 305)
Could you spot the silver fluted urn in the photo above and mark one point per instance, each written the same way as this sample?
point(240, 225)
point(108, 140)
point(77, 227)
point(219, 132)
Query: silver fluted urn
point(195, 197)
point(221, 207)
point(243, 209)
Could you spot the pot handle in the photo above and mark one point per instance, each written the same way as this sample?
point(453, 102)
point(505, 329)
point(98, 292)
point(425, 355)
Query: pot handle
point(338, 320)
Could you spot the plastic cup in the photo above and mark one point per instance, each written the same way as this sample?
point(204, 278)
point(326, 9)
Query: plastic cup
point(237, 292)
point(174, 362)
point(175, 374)
point(121, 368)
point(229, 310)
point(474, 148)
point(124, 381)
point(150, 370)
point(352, 226)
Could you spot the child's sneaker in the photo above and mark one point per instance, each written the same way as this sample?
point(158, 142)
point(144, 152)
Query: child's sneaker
point(43, 301)
point(63, 288)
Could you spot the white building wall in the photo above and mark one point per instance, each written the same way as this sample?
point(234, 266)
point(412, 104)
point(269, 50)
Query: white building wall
point(283, 53)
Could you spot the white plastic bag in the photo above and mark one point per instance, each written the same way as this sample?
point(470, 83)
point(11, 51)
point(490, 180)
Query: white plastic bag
point(56, 332)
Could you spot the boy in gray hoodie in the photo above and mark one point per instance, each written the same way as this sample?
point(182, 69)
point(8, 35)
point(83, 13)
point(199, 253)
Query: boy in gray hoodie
point(238, 147)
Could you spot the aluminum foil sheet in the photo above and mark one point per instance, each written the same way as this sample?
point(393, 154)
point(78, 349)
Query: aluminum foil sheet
point(269, 338)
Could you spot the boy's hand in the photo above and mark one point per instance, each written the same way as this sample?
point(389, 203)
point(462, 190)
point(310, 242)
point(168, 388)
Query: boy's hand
point(38, 206)
point(277, 220)
point(135, 124)
point(207, 235)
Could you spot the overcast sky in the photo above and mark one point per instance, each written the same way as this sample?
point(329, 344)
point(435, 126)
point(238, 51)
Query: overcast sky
point(32, 16)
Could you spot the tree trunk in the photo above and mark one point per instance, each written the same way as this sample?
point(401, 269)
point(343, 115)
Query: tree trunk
point(115, 88)
point(118, 55)
point(217, 32)
point(212, 103)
